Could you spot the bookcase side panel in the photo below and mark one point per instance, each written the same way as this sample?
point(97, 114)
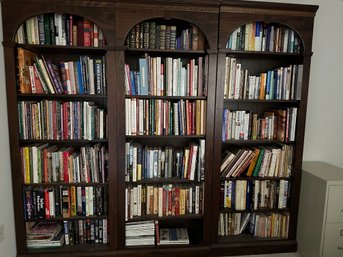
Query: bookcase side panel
point(17, 177)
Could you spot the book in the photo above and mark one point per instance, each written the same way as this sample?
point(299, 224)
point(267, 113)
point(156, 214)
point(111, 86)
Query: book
point(173, 236)
point(25, 60)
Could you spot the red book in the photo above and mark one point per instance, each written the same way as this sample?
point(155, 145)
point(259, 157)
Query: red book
point(170, 199)
point(164, 202)
point(80, 38)
point(177, 201)
point(46, 203)
point(193, 118)
point(86, 33)
point(38, 83)
point(66, 169)
point(54, 120)
point(91, 34)
point(70, 30)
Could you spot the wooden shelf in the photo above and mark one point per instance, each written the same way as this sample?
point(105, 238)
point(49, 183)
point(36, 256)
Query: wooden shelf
point(164, 51)
point(167, 97)
point(256, 178)
point(165, 181)
point(260, 210)
point(256, 142)
point(168, 218)
point(66, 184)
point(57, 219)
point(65, 97)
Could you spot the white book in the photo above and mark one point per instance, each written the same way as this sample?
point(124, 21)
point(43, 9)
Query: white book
point(133, 116)
point(158, 76)
point(134, 163)
point(183, 83)
point(197, 198)
point(126, 205)
point(91, 200)
point(175, 77)
point(51, 203)
point(256, 194)
point(135, 201)
point(104, 231)
point(281, 193)
point(237, 89)
point(237, 223)
point(128, 117)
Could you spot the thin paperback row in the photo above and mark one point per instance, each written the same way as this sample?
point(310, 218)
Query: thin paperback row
point(148, 162)
point(284, 83)
point(254, 195)
point(39, 75)
point(165, 117)
point(154, 35)
point(265, 37)
point(264, 225)
point(64, 201)
point(61, 30)
point(56, 120)
point(167, 76)
point(44, 163)
point(268, 161)
point(275, 124)
point(163, 200)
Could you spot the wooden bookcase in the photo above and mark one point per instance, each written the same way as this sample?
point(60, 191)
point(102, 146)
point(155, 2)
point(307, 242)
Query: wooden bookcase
point(216, 20)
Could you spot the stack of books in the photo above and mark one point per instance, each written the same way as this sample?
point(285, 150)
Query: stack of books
point(140, 233)
point(45, 234)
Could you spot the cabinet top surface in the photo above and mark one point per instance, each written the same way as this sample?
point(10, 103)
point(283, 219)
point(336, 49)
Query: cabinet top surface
point(323, 170)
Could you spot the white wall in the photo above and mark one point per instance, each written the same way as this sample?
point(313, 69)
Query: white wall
point(7, 246)
point(324, 124)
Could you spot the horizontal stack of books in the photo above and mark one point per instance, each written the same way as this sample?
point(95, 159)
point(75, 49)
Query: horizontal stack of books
point(140, 233)
point(45, 234)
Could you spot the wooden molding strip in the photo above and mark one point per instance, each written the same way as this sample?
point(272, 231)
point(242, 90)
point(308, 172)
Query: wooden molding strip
point(169, 7)
point(264, 11)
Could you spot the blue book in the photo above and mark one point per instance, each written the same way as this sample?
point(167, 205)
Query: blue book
point(143, 75)
point(79, 77)
point(133, 87)
point(268, 95)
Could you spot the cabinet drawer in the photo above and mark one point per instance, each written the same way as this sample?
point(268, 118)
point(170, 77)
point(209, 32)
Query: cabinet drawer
point(335, 205)
point(333, 241)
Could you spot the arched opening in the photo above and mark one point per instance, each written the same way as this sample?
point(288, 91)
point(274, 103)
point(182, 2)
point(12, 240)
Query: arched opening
point(166, 34)
point(265, 37)
point(60, 30)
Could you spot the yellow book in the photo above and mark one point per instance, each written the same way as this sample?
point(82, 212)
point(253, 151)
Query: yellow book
point(253, 162)
point(26, 165)
point(72, 201)
point(198, 121)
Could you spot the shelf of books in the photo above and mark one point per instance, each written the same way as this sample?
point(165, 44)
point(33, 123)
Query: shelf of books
point(261, 89)
point(62, 123)
point(165, 128)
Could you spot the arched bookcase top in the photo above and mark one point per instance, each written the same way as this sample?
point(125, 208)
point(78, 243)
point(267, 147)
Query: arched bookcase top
point(163, 34)
point(265, 37)
point(60, 30)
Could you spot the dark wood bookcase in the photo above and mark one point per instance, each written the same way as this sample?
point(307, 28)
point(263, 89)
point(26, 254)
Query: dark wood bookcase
point(217, 20)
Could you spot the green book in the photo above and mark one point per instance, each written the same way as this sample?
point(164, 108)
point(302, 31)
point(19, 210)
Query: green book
point(258, 163)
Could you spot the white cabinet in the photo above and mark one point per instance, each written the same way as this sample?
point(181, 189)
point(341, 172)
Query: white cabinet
point(320, 219)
